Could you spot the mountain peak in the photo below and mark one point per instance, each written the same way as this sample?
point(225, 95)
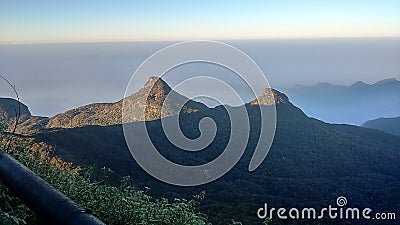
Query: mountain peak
point(359, 84)
point(387, 81)
point(157, 90)
point(157, 83)
point(270, 97)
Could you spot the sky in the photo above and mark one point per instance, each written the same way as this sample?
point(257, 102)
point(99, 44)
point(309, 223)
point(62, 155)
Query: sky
point(51, 21)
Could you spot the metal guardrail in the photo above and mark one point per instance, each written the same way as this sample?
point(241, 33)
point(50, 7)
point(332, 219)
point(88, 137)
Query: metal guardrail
point(49, 205)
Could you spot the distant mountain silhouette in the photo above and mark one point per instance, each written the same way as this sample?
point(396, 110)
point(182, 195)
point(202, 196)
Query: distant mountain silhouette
point(389, 125)
point(359, 84)
point(353, 104)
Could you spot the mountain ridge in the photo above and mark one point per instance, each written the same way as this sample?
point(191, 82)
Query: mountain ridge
point(310, 162)
point(106, 114)
point(354, 104)
point(388, 125)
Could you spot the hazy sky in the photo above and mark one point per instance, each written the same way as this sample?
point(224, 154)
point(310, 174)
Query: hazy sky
point(98, 20)
point(52, 78)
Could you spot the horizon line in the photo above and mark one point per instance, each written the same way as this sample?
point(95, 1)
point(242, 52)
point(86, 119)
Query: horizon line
point(180, 40)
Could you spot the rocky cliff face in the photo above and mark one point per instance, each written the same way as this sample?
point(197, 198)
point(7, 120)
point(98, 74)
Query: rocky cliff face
point(270, 97)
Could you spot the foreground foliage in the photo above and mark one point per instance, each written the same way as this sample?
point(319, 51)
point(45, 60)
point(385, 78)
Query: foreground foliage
point(112, 205)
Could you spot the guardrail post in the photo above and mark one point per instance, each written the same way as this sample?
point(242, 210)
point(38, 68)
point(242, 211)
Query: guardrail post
point(50, 206)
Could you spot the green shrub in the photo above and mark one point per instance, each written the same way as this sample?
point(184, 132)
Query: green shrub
point(112, 205)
